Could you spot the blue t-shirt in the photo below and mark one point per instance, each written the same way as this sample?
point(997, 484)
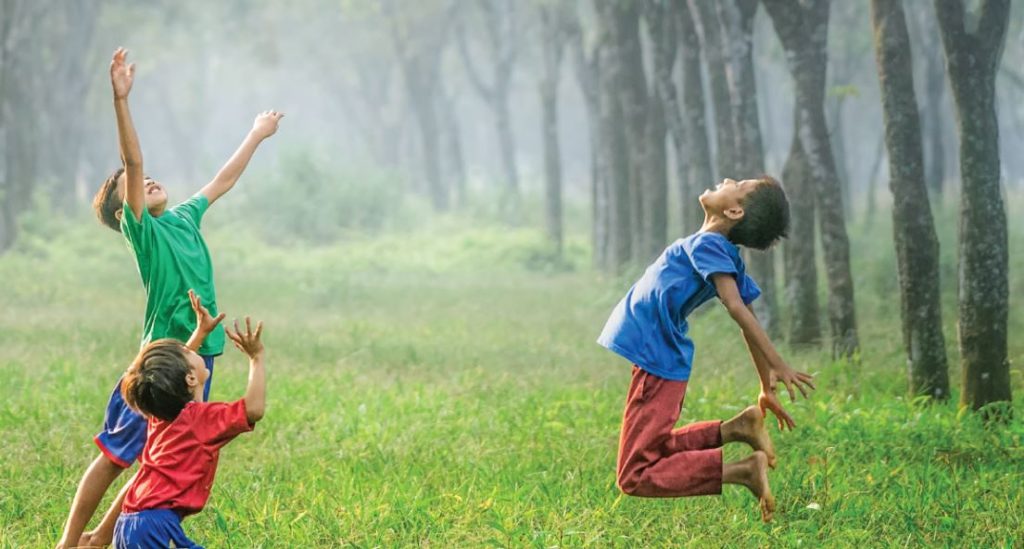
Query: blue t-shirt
point(648, 327)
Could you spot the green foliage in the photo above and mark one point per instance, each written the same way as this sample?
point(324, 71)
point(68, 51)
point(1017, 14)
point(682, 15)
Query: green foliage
point(309, 198)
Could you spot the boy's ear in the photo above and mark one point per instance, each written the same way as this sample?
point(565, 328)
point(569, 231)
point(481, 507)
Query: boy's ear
point(191, 380)
point(734, 213)
point(118, 213)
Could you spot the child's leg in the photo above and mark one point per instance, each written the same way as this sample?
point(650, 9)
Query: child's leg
point(94, 484)
point(103, 534)
point(208, 359)
point(748, 427)
point(121, 441)
point(653, 462)
point(752, 472)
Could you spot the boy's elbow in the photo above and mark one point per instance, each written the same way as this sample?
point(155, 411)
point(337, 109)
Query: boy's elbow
point(735, 307)
point(254, 415)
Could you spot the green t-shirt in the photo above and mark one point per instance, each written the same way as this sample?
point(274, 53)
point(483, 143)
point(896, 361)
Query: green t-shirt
point(172, 258)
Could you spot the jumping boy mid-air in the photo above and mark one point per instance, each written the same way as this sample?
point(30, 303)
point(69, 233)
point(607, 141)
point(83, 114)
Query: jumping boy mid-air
point(648, 327)
point(172, 258)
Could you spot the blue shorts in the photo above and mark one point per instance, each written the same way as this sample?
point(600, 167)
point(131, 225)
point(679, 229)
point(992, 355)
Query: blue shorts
point(124, 430)
point(152, 528)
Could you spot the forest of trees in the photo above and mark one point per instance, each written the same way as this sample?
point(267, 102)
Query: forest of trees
point(631, 107)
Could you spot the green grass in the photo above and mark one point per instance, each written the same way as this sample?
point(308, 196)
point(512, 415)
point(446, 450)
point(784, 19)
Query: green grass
point(443, 388)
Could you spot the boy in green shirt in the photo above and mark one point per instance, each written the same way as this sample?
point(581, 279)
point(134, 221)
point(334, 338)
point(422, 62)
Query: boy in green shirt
point(172, 259)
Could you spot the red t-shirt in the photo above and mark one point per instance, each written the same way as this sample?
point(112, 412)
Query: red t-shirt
point(180, 457)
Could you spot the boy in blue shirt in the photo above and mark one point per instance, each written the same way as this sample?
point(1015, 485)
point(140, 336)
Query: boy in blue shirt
point(648, 327)
point(172, 258)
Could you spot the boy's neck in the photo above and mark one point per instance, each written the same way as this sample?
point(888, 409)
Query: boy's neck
point(714, 223)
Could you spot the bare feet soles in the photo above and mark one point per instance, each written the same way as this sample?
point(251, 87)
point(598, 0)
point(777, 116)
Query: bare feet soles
point(756, 469)
point(748, 427)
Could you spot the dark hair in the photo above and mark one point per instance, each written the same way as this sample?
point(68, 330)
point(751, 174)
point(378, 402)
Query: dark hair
point(155, 383)
point(765, 216)
point(106, 202)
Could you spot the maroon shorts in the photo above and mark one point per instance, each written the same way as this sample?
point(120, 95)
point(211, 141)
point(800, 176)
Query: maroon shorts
point(655, 458)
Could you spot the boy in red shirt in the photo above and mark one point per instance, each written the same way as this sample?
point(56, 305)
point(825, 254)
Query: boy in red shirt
point(184, 435)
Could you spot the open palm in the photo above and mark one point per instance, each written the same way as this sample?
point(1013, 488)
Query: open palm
point(122, 74)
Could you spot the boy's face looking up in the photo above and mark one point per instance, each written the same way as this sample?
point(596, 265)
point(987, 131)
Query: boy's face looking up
point(198, 374)
point(726, 199)
point(156, 196)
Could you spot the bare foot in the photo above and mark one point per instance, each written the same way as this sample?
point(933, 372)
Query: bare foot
point(748, 427)
point(757, 481)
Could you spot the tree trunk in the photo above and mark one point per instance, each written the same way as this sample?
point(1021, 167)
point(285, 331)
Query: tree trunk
point(418, 46)
point(972, 60)
point(917, 247)
point(500, 34)
point(737, 22)
point(803, 29)
point(801, 270)
point(614, 151)
point(553, 41)
point(698, 152)
point(713, 45)
point(585, 63)
point(452, 142)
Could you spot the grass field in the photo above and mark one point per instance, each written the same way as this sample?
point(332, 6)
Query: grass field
point(439, 389)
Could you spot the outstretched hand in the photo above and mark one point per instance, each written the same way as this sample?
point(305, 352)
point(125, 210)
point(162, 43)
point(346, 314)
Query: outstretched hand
point(769, 400)
point(265, 124)
point(792, 378)
point(122, 74)
point(205, 322)
point(249, 341)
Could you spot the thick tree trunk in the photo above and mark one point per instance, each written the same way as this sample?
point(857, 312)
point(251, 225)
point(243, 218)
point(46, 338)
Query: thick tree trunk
point(699, 173)
point(917, 247)
point(803, 29)
point(737, 23)
point(972, 60)
point(801, 270)
point(632, 92)
point(662, 113)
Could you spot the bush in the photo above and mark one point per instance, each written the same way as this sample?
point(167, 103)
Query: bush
point(309, 198)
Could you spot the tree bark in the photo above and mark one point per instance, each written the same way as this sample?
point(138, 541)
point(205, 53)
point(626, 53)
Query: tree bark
point(803, 30)
point(737, 23)
point(972, 60)
point(801, 269)
point(917, 247)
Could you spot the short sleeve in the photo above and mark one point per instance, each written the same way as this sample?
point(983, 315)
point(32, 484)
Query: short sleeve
point(749, 290)
point(138, 232)
point(216, 423)
point(710, 255)
point(192, 209)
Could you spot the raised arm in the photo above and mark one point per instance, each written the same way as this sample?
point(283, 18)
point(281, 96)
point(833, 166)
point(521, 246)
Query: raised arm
point(757, 339)
point(205, 322)
point(122, 75)
point(263, 127)
point(256, 391)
